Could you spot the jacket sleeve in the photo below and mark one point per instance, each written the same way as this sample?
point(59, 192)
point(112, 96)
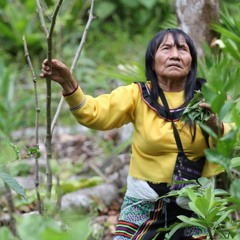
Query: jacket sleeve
point(106, 111)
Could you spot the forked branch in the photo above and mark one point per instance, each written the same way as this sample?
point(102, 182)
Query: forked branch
point(75, 60)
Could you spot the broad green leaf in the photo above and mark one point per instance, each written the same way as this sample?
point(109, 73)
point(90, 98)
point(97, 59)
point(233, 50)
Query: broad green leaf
point(209, 196)
point(202, 204)
point(13, 184)
point(218, 102)
point(225, 148)
point(191, 221)
point(195, 209)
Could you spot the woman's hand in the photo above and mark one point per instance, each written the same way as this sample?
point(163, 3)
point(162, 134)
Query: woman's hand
point(61, 74)
point(213, 121)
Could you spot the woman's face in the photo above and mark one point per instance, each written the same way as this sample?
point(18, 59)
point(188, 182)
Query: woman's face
point(172, 62)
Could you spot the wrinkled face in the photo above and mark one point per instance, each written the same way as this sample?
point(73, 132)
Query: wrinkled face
point(172, 62)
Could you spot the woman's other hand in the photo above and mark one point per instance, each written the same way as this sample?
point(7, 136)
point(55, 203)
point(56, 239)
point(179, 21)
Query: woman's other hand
point(213, 122)
point(61, 74)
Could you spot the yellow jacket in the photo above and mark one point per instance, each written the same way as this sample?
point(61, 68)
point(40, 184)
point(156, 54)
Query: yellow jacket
point(154, 149)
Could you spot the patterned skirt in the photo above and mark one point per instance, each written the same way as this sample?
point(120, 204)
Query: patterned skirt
point(141, 220)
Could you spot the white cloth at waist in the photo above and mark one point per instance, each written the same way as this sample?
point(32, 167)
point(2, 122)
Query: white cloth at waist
point(140, 189)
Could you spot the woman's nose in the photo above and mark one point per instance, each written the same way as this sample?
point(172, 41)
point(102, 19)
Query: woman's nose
point(174, 52)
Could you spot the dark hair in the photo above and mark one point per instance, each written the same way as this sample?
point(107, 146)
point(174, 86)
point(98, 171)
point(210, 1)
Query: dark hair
point(150, 58)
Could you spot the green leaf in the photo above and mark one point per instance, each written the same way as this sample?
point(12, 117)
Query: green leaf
point(190, 193)
point(195, 113)
point(148, 4)
point(212, 217)
point(223, 216)
point(195, 209)
point(13, 184)
point(105, 9)
point(6, 234)
point(202, 204)
point(33, 226)
point(234, 188)
point(8, 152)
point(226, 109)
point(213, 156)
point(218, 102)
point(169, 235)
point(53, 234)
point(191, 221)
point(209, 196)
point(235, 162)
point(80, 229)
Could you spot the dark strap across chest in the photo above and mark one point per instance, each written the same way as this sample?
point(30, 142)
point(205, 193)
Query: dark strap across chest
point(171, 115)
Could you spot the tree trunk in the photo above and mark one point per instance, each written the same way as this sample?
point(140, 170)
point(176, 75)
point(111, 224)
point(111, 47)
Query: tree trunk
point(195, 17)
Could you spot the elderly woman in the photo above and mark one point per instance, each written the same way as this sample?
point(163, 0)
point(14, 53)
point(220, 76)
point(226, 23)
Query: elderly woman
point(161, 142)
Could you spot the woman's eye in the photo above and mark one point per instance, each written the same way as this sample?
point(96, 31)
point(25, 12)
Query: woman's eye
point(183, 49)
point(165, 48)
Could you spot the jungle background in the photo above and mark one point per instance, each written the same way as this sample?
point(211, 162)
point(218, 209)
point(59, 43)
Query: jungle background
point(88, 168)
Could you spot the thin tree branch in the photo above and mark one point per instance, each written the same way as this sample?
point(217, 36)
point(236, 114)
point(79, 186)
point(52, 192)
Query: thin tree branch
point(40, 209)
point(75, 60)
point(48, 142)
point(54, 16)
point(42, 20)
point(98, 171)
point(11, 209)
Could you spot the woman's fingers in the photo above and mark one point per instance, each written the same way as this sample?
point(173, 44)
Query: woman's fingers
point(204, 105)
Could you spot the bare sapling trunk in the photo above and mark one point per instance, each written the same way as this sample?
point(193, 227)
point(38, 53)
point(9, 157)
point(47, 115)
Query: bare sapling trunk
point(48, 141)
point(39, 202)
